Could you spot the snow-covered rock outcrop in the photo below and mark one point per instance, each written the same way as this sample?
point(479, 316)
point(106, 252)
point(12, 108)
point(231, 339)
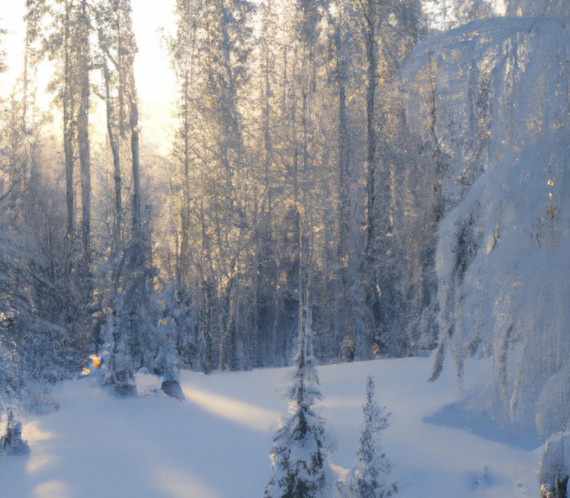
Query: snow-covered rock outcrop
point(492, 98)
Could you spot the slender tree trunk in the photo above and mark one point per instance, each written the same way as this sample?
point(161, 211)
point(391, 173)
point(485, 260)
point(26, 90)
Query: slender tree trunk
point(267, 147)
point(372, 290)
point(84, 146)
point(207, 293)
point(115, 152)
point(371, 71)
point(344, 147)
point(135, 155)
point(183, 263)
point(68, 127)
point(344, 212)
point(29, 163)
point(228, 114)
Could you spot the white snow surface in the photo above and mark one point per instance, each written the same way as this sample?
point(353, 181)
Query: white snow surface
point(216, 443)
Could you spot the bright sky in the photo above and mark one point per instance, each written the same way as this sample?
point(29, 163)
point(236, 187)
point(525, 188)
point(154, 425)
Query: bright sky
point(155, 80)
point(11, 43)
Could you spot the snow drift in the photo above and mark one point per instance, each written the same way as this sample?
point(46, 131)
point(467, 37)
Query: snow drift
point(216, 443)
point(492, 97)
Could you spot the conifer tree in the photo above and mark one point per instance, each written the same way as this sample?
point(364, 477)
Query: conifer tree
point(370, 477)
point(301, 446)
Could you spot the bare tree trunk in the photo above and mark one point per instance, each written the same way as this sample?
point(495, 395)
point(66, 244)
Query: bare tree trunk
point(68, 126)
point(345, 255)
point(85, 165)
point(185, 218)
point(267, 147)
point(372, 290)
point(135, 152)
point(115, 152)
point(84, 146)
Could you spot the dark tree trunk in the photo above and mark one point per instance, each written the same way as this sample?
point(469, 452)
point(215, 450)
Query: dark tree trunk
point(84, 148)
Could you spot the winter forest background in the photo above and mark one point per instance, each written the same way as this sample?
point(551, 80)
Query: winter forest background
point(397, 170)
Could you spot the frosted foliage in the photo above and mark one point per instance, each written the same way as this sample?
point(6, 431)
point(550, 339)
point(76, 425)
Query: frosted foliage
point(300, 447)
point(554, 467)
point(500, 92)
point(370, 477)
point(166, 358)
point(305, 389)
point(444, 14)
point(538, 7)
point(143, 337)
point(299, 459)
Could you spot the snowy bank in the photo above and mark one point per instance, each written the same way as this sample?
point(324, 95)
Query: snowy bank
point(217, 443)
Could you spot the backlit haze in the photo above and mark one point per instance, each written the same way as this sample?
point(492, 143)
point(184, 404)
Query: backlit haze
point(154, 77)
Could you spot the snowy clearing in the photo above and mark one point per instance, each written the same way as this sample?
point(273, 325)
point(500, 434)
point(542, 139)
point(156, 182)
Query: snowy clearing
point(216, 443)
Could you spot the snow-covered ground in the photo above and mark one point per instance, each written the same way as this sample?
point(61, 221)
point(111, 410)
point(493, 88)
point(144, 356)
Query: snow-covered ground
point(217, 442)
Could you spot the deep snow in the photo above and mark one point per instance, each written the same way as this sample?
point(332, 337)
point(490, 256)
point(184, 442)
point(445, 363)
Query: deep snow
point(217, 442)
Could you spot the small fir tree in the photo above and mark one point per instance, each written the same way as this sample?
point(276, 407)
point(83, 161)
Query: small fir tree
point(371, 475)
point(301, 446)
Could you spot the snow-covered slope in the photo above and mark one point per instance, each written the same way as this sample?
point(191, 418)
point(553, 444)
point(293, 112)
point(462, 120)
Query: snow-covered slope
point(217, 442)
point(496, 92)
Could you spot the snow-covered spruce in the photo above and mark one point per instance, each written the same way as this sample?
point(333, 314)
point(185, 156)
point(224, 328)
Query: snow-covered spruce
point(301, 446)
point(371, 475)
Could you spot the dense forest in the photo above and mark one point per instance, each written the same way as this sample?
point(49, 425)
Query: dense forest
point(396, 170)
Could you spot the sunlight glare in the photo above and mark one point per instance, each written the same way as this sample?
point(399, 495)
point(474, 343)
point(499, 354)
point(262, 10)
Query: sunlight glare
point(156, 83)
point(32, 433)
point(40, 461)
point(500, 7)
point(50, 489)
point(178, 484)
point(244, 414)
point(155, 80)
